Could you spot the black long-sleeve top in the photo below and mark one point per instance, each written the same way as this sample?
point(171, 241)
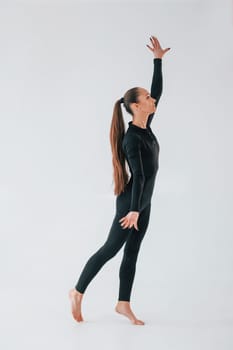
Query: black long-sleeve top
point(141, 149)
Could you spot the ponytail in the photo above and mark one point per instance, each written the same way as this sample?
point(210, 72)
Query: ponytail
point(117, 132)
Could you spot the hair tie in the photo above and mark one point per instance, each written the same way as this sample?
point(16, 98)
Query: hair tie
point(122, 100)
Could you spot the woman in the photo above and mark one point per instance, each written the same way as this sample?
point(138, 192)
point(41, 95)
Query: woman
point(140, 148)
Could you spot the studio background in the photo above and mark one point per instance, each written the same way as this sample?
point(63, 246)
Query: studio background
point(63, 65)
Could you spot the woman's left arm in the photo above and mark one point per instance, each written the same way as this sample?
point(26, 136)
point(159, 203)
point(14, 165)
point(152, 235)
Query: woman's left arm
point(157, 80)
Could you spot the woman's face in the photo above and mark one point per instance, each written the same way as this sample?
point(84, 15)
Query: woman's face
point(146, 103)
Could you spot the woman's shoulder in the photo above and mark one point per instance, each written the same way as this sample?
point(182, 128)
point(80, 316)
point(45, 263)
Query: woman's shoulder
point(131, 138)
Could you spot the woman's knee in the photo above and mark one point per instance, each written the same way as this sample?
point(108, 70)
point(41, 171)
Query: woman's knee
point(109, 250)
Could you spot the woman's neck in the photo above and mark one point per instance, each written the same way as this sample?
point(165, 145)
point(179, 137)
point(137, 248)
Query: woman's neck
point(141, 124)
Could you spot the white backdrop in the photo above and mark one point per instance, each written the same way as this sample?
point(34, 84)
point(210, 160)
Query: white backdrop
point(63, 65)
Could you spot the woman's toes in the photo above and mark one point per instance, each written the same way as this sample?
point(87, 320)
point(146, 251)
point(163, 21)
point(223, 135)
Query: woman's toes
point(75, 306)
point(79, 318)
point(139, 322)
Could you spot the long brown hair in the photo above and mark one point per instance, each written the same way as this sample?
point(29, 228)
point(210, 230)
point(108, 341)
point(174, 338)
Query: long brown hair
point(117, 132)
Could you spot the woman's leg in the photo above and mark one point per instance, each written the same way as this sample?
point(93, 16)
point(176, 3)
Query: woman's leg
point(131, 250)
point(128, 266)
point(115, 240)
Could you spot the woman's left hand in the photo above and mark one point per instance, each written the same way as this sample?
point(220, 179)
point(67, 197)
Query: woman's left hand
point(156, 49)
point(130, 220)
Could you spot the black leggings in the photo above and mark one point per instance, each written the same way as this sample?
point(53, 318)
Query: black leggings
point(115, 240)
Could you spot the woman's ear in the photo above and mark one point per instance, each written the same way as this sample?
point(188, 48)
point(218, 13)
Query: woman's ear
point(134, 106)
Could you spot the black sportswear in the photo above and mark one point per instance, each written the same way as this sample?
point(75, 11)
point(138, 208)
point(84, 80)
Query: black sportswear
point(141, 149)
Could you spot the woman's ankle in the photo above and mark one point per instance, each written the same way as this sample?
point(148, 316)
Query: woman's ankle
point(77, 292)
point(123, 302)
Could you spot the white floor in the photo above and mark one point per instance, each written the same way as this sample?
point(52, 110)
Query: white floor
point(182, 289)
point(186, 318)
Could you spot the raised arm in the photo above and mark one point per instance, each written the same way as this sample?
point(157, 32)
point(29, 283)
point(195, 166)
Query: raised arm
point(156, 85)
point(157, 80)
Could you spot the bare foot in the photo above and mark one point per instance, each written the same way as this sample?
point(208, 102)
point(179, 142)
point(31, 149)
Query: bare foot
point(123, 307)
point(76, 300)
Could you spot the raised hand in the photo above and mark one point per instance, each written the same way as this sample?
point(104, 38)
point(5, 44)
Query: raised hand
point(156, 49)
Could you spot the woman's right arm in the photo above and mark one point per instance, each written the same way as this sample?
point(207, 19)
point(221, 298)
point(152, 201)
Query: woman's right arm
point(156, 85)
point(157, 81)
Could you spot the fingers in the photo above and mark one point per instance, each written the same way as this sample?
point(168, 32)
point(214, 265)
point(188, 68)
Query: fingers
point(155, 42)
point(156, 49)
point(150, 48)
point(126, 223)
point(167, 49)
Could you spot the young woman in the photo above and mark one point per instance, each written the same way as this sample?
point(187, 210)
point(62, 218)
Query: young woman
point(138, 148)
